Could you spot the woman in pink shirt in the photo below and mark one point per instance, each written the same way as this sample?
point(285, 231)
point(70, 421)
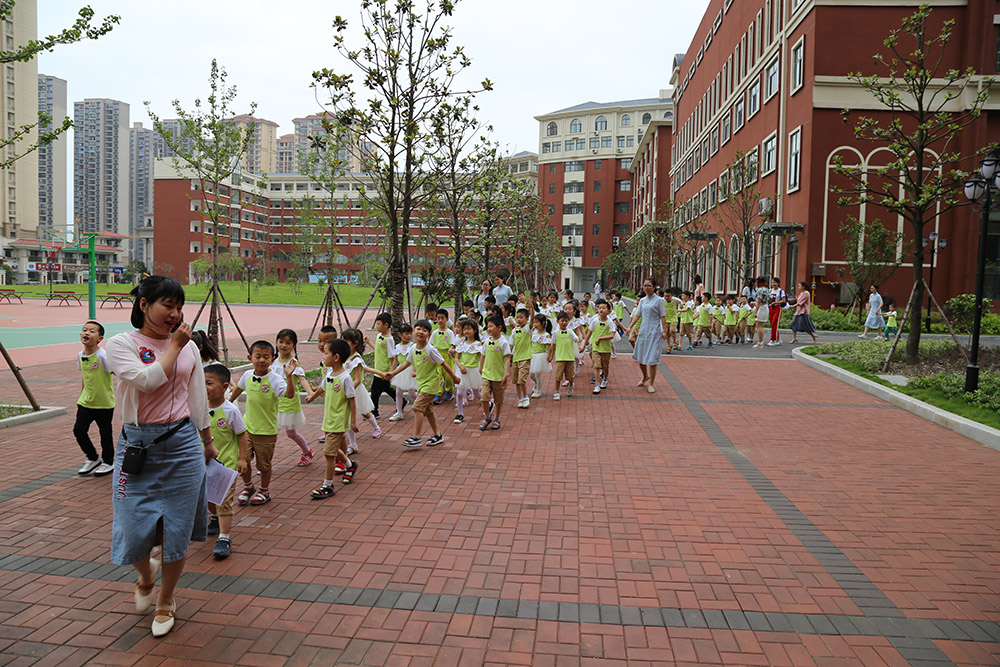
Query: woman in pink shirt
point(159, 488)
point(802, 321)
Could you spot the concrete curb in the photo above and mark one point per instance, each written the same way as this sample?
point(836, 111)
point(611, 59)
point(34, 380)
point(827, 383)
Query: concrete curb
point(974, 430)
point(29, 417)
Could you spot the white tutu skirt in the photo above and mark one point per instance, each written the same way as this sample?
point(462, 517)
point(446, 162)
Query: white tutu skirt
point(404, 381)
point(363, 401)
point(291, 419)
point(471, 379)
point(540, 363)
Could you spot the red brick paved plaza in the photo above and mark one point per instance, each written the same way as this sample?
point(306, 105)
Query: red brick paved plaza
point(751, 512)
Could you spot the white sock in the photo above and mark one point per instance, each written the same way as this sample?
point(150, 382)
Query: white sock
point(327, 482)
point(460, 399)
point(352, 441)
point(399, 401)
point(223, 536)
point(371, 420)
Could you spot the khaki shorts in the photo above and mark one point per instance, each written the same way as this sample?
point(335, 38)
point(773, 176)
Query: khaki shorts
point(226, 508)
point(601, 360)
point(261, 447)
point(717, 327)
point(730, 330)
point(491, 390)
point(424, 403)
point(519, 371)
point(632, 336)
point(700, 331)
point(335, 442)
point(671, 328)
point(687, 328)
point(741, 327)
point(565, 369)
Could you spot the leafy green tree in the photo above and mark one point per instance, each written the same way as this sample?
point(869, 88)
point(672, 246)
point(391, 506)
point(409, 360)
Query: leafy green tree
point(920, 126)
point(47, 129)
point(872, 252)
point(408, 67)
point(135, 270)
point(210, 147)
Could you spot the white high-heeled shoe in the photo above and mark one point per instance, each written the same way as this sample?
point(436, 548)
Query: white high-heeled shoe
point(144, 601)
point(160, 628)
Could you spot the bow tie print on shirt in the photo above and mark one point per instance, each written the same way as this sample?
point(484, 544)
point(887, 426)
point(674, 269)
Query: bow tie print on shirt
point(255, 379)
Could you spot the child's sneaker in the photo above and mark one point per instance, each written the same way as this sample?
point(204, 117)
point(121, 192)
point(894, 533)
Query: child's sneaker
point(569, 392)
point(435, 440)
point(322, 439)
point(555, 396)
point(377, 433)
point(527, 402)
point(604, 383)
point(447, 396)
point(352, 450)
point(413, 442)
point(306, 459)
point(396, 417)
point(213, 524)
point(223, 547)
point(537, 393)
point(597, 389)
point(103, 469)
point(88, 467)
point(710, 345)
point(688, 347)
point(338, 468)
point(350, 472)
point(458, 419)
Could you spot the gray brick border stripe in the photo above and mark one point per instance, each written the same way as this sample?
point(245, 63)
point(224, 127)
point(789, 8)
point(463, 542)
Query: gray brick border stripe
point(905, 634)
point(35, 484)
point(908, 633)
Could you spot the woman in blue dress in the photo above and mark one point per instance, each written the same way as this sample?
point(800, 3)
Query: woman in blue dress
point(653, 330)
point(875, 320)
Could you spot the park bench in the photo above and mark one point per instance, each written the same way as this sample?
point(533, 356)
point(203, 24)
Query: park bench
point(117, 299)
point(62, 297)
point(8, 294)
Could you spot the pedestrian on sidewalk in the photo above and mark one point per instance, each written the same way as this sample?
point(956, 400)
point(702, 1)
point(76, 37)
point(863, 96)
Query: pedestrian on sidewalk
point(96, 402)
point(653, 330)
point(779, 299)
point(159, 495)
point(875, 320)
point(802, 321)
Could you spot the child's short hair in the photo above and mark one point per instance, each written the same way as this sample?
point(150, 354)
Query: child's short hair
point(523, 310)
point(490, 299)
point(563, 315)
point(405, 328)
point(431, 308)
point(262, 345)
point(586, 296)
point(468, 304)
point(730, 297)
point(385, 318)
point(339, 347)
point(512, 299)
point(100, 327)
point(219, 372)
point(327, 329)
point(602, 302)
point(495, 320)
point(356, 337)
point(441, 311)
point(422, 324)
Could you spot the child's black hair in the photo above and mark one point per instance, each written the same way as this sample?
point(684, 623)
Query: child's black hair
point(219, 372)
point(496, 321)
point(468, 304)
point(568, 293)
point(730, 297)
point(328, 329)
point(469, 322)
point(602, 302)
point(100, 327)
point(494, 310)
point(356, 337)
point(586, 296)
point(423, 324)
point(405, 328)
point(431, 308)
point(153, 289)
point(339, 347)
point(262, 345)
point(512, 298)
point(207, 351)
point(385, 318)
point(562, 315)
point(490, 299)
point(526, 312)
point(507, 309)
point(546, 322)
point(442, 311)
point(292, 336)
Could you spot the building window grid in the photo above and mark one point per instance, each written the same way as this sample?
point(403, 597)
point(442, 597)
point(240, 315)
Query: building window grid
point(769, 153)
point(794, 159)
point(796, 72)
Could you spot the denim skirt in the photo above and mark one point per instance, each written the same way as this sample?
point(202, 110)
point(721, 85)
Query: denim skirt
point(169, 489)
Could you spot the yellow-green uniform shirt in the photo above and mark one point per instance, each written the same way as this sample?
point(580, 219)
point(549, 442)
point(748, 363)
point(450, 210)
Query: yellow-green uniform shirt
point(890, 319)
point(495, 353)
point(337, 390)
point(687, 316)
point(745, 312)
point(402, 352)
point(426, 361)
point(520, 339)
point(704, 315)
point(619, 309)
point(601, 329)
point(293, 404)
point(731, 317)
point(564, 340)
point(97, 392)
point(443, 340)
point(226, 423)
point(670, 306)
point(385, 348)
point(468, 353)
point(263, 391)
point(540, 343)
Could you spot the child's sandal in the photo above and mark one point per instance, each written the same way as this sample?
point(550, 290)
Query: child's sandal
point(495, 425)
point(245, 495)
point(485, 423)
point(260, 498)
point(323, 492)
point(349, 473)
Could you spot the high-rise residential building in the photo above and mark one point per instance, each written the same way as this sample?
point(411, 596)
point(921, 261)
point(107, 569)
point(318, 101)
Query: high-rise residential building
point(19, 107)
point(286, 163)
point(262, 154)
point(160, 148)
point(140, 185)
point(52, 212)
point(524, 166)
point(310, 136)
point(584, 180)
point(101, 166)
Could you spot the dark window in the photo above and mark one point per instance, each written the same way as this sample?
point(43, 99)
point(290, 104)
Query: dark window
point(552, 209)
point(624, 207)
point(552, 188)
point(595, 251)
point(552, 168)
point(597, 164)
point(997, 67)
point(597, 208)
point(597, 228)
point(597, 186)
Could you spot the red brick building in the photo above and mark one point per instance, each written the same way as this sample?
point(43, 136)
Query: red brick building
point(769, 78)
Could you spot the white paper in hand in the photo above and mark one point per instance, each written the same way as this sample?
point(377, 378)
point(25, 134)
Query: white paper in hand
point(218, 480)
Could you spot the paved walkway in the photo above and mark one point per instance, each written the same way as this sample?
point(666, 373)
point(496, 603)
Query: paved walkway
point(751, 512)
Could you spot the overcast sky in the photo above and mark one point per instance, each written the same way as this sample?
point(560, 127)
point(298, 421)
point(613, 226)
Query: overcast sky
point(542, 55)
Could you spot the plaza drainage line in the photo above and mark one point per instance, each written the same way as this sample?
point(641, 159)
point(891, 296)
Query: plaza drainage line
point(908, 632)
point(912, 643)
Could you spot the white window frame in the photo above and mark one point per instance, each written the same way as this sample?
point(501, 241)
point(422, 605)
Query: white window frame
point(795, 164)
point(797, 66)
point(752, 109)
point(768, 92)
point(738, 120)
point(766, 168)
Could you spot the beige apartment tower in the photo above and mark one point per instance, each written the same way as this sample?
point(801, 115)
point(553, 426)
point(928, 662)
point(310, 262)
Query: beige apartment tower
point(52, 212)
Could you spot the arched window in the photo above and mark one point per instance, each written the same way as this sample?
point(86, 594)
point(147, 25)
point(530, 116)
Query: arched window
point(734, 264)
point(709, 274)
point(720, 283)
point(626, 120)
point(601, 123)
point(701, 262)
point(646, 118)
point(667, 115)
point(551, 129)
point(575, 126)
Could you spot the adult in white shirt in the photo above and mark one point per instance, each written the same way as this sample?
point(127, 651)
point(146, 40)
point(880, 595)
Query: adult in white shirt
point(164, 411)
point(501, 292)
point(597, 290)
point(480, 301)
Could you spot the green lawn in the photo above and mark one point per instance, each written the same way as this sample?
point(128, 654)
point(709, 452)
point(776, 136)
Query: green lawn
point(304, 294)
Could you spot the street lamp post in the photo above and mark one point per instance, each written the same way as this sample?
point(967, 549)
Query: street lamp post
point(936, 245)
point(980, 189)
